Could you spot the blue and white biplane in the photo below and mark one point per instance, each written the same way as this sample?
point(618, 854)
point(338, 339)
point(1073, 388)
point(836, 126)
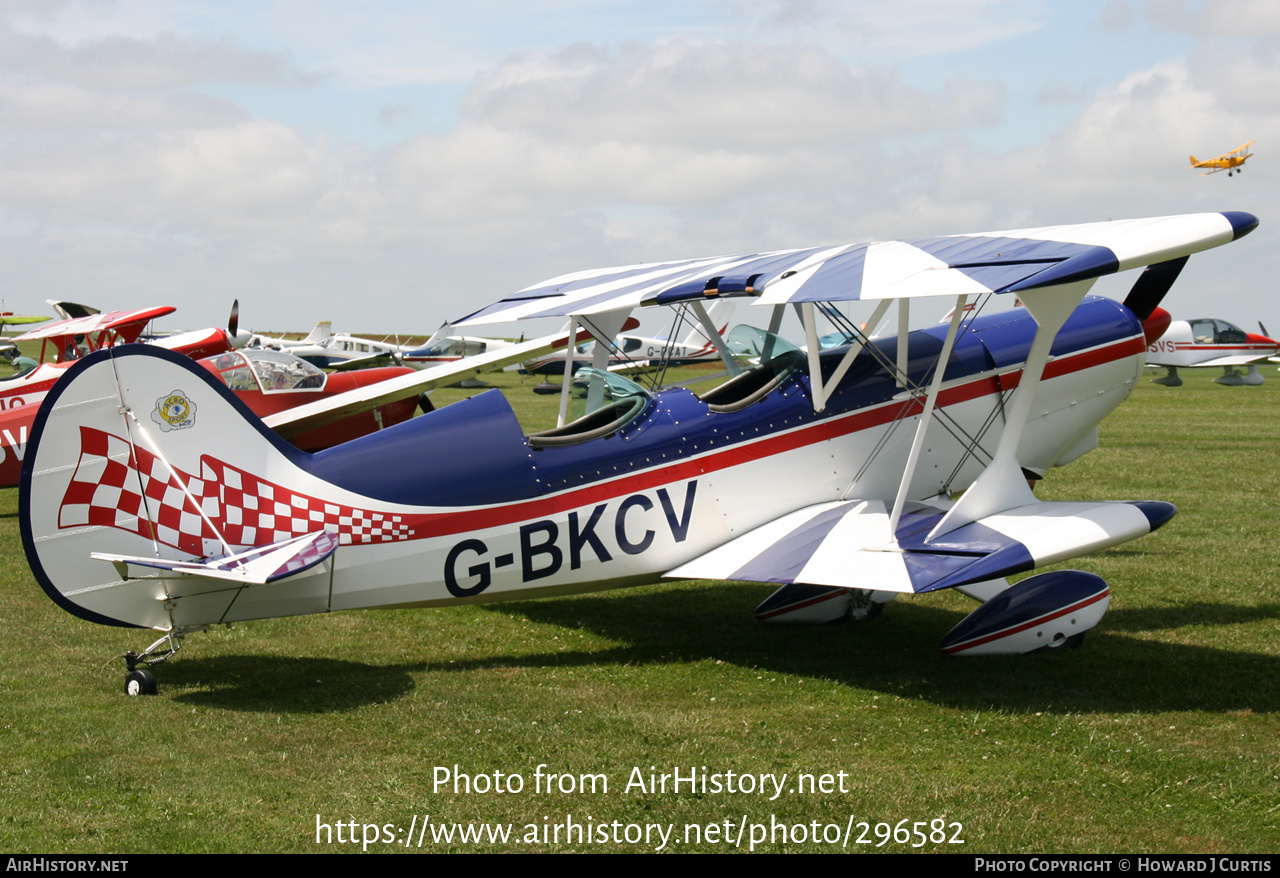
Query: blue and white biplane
point(151, 497)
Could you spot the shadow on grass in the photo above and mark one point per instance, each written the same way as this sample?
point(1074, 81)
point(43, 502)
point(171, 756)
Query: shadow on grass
point(896, 654)
point(284, 684)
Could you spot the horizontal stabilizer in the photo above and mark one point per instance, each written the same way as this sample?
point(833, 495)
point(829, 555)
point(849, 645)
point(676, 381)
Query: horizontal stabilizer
point(848, 544)
point(258, 566)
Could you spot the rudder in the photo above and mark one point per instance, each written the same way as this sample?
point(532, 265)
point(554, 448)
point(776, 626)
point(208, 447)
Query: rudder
point(116, 464)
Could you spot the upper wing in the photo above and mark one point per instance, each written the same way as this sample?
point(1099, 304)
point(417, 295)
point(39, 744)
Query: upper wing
point(129, 324)
point(999, 262)
point(849, 544)
point(297, 420)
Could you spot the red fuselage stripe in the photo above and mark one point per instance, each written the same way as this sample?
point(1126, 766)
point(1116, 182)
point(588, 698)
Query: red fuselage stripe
point(464, 521)
point(1039, 620)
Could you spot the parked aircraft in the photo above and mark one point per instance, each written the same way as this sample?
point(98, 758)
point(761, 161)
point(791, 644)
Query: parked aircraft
point(318, 333)
point(70, 339)
point(699, 343)
point(87, 330)
point(8, 318)
point(1231, 162)
point(1208, 342)
point(349, 351)
point(151, 498)
point(268, 382)
point(446, 346)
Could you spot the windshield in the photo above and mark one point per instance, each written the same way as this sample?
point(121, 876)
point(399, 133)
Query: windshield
point(271, 371)
point(593, 389)
point(1211, 331)
point(756, 346)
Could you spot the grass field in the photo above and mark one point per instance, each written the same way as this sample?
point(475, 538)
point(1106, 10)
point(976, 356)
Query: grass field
point(1159, 735)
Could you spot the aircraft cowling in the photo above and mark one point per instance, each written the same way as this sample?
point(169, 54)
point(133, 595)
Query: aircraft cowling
point(1043, 612)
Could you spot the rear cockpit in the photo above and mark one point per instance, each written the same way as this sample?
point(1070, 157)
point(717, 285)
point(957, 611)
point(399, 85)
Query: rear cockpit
point(771, 361)
point(609, 403)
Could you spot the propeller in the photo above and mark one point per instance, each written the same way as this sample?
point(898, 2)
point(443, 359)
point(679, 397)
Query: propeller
point(233, 327)
point(1264, 330)
point(1151, 286)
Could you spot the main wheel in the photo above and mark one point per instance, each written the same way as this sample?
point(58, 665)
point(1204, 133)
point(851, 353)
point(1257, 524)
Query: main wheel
point(140, 682)
point(1063, 643)
point(863, 609)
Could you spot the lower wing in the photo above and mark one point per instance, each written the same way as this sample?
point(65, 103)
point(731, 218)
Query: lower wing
point(848, 544)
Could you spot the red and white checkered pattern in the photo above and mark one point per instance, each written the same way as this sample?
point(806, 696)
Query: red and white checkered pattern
point(117, 484)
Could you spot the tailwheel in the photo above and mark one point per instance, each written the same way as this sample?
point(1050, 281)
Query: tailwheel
point(140, 682)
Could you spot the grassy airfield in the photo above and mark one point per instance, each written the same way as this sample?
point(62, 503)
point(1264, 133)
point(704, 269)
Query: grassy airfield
point(1160, 735)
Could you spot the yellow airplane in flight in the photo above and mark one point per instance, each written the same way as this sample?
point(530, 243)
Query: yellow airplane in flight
point(1230, 162)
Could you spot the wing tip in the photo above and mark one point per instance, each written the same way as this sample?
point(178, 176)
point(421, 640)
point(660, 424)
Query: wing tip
point(1241, 223)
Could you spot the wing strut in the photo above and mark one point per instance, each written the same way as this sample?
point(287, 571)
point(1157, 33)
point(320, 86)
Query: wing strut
point(904, 329)
point(822, 392)
point(714, 334)
point(604, 327)
point(923, 426)
point(1002, 485)
point(567, 378)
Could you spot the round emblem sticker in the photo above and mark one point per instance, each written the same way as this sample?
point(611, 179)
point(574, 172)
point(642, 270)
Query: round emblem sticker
point(174, 412)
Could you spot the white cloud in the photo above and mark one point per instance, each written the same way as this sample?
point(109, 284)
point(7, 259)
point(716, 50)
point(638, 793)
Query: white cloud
point(903, 28)
point(1246, 18)
point(126, 63)
point(715, 96)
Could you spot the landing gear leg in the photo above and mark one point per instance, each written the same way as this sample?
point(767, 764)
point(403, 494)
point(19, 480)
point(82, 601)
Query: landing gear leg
point(140, 681)
point(862, 608)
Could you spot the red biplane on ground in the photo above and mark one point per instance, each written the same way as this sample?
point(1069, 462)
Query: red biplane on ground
point(268, 382)
point(71, 339)
point(65, 341)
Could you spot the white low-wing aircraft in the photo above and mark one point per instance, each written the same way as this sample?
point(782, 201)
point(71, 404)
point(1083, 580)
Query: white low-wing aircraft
point(151, 498)
point(690, 341)
point(1208, 342)
point(322, 330)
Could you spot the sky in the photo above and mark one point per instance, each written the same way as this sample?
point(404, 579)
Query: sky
point(392, 165)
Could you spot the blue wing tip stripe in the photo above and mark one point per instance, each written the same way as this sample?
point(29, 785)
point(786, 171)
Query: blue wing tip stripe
point(1157, 512)
point(1241, 223)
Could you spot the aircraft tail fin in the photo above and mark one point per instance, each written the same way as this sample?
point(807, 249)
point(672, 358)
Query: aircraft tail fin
point(140, 453)
point(718, 311)
point(320, 332)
